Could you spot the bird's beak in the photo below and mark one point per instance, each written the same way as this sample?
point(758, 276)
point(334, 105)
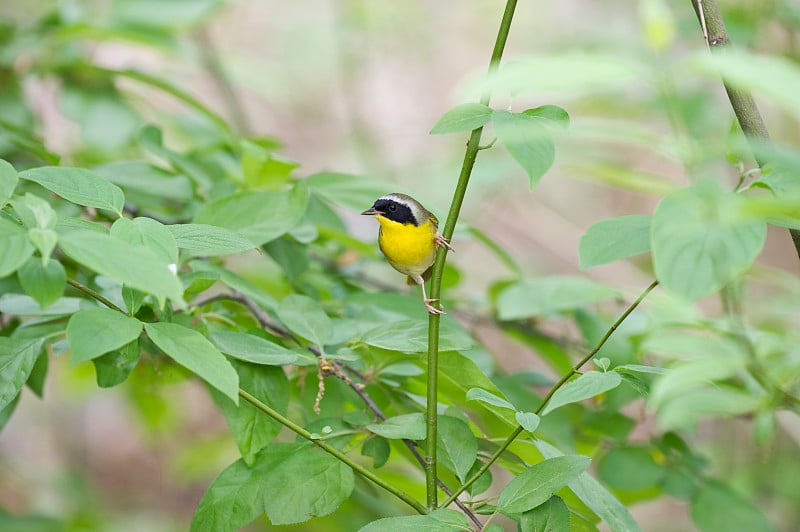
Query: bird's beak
point(371, 212)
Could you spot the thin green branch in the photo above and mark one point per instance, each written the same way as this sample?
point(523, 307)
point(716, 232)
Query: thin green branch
point(473, 146)
point(575, 369)
point(742, 102)
point(333, 451)
point(88, 291)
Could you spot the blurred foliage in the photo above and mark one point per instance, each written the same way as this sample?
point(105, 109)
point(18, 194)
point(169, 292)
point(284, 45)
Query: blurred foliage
point(115, 177)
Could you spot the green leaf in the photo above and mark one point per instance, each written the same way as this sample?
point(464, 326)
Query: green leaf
point(251, 428)
point(684, 411)
point(698, 243)
point(35, 212)
point(78, 186)
point(144, 178)
point(305, 317)
point(614, 239)
point(464, 117)
point(23, 305)
point(539, 482)
point(8, 410)
point(630, 468)
point(94, 332)
point(351, 191)
point(38, 375)
point(17, 358)
point(45, 241)
point(595, 496)
point(552, 113)
point(162, 16)
point(528, 142)
point(262, 169)
point(17, 247)
point(587, 385)
point(238, 283)
point(115, 367)
point(411, 336)
point(551, 516)
point(44, 283)
point(441, 520)
point(378, 448)
point(258, 216)
point(290, 482)
point(193, 351)
point(456, 446)
point(136, 266)
point(479, 394)
point(547, 295)
point(406, 426)
point(528, 420)
point(251, 348)
point(716, 507)
point(148, 233)
point(209, 240)
point(8, 181)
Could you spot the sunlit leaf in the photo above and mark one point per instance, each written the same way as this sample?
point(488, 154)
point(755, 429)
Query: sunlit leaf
point(587, 385)
point(464, 117)
point(78, 186)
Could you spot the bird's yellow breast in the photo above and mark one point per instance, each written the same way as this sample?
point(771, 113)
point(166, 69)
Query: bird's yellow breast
point(408, 248)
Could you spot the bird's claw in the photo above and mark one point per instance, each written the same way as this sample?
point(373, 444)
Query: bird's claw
point(439, 240)
point(431, 308)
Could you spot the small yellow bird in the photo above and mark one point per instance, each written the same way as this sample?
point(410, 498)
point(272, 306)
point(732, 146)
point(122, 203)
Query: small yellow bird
point(408, 238)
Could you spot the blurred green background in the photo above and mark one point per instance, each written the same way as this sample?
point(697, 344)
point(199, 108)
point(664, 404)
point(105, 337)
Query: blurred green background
point(355, 86)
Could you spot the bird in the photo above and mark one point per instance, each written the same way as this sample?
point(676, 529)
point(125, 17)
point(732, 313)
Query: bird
point(408, 238)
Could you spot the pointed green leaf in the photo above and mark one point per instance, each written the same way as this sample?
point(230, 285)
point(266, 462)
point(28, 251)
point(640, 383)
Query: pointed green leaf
point(587, 385)
point(479, 394)
point(528, 142)
point(378, 448)
point(94, 332)
point(539, 482)
point(209, 240)
point(257, 350)
point(464, 117)
point(149, 233)
point(305, 317)
point(551, 516)
point(411, 336)
point(8, 181)
point(78, 186)
point(552, 113)
point(251, 429)
point(441, 520)
point(193, 351)
point(699, 243)
point(614, 239)
point(35, 212)
point(457, 447)
point(258, 216)
point(595, 496)
point(527, 420)
point(290, 482)
point(114, 368)
point(44, 283)
point(17, 358)
point(17, 248)
point(408, 426)
point(136, 266)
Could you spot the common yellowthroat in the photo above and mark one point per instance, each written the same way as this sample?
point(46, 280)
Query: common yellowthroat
point(408, 238)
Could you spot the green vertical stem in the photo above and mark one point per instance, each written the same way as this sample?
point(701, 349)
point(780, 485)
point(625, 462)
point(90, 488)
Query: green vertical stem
point(742, 102)
point(438, 267)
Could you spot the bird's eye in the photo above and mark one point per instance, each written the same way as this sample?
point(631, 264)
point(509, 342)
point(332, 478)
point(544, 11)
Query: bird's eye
point(392, 208)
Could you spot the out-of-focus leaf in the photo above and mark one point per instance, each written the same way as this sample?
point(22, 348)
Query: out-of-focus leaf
point(464, 117)
point(717, 507)
point(613, 239)
point(630, 468)
point(147, 179)
point(114, 368)
point(357, 193)
point(527, 140)
point(193, 351)
point(8, 181)
point(17, 248)
point(546, 295)
point(79, 186)
point(698, 243)
point(551, 113)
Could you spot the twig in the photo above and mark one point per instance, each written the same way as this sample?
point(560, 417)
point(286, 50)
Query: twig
point(742, 102)
point(470, 155)
point(575, 369)
point(88, 291)
point(369, 475)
